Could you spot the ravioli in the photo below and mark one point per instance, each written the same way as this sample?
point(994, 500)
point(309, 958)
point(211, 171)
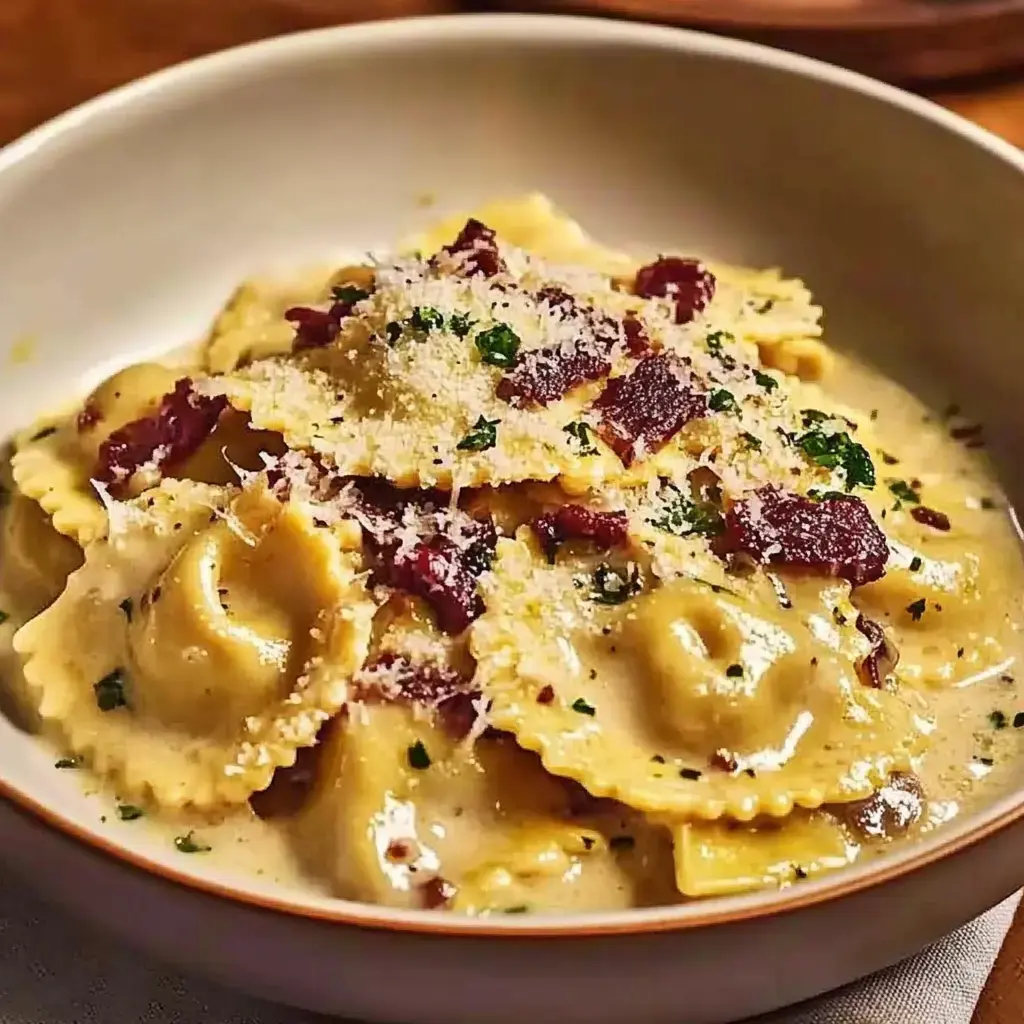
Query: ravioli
point(405, 814)
point(687, 700)
point(201, 645)
point(56, 465)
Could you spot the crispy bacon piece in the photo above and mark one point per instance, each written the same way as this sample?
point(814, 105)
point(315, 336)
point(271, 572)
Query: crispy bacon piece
point(416, 682)
point(835, 536)
point(688, 282)
point(889, 813)
point(572, 522)
point(443, 565)
point(930, 517)
point(882, 658)
point(184, 420)
point(641, 411)
point(315, 328)
point(479, 244)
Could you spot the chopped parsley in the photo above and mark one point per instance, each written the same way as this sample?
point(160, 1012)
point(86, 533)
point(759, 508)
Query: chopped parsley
point(3, 617)
point(499, 346)
point(482, 436)
point(997, 719)
point(45, 432)
point(613, 586)
point(753, 442)
point(723, 401)
point(579, 431)
point(915, 563)
point(68, 762)
point(765, 380)
point(988, 762)
point(839, 451)
point(129, 812)
point(460, 324)
point(418, 756)
point(734, 671)
point(188, 843)
point(714, 341)
point(519, 908)
point(393, 329)
point(126, 607)
point(426, 319)
point(1018, 720)
point(109, 691)
point(349, 293)
point(680, 515)
point(812, 416)
point(693, 774)
point(916, 609)
point(904, 491)
point(580, 706)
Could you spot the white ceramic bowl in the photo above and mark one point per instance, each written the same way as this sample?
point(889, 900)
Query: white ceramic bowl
point(125, 223)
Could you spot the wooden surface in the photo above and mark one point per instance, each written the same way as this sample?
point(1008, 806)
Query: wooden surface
point(897, 40)
point(55, 53)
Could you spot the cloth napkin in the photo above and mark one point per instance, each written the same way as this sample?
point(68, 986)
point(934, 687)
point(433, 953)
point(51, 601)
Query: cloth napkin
point(55, 970)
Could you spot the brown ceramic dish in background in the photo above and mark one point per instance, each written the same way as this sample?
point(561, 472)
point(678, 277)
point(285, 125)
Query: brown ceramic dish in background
point(240, 162)
point(896, 40)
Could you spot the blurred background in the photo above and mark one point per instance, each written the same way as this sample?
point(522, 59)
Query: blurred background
point(968, 54)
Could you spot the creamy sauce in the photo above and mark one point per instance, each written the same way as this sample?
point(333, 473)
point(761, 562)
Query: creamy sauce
point(372, 823)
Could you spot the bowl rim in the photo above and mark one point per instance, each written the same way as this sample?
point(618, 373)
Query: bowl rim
point(544, 30)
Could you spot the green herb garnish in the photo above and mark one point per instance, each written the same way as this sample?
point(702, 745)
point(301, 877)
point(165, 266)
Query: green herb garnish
point(916, 563)
point(520, 908)
point(997, 719)
point(45, 432)
point(129, 812)
point(693, 774)
point(483, 435)
point(753, 442)
point(1018, 720)
point(109, 691)
point(580, 706)
point(460, 324)
point(840, 451)
point(580, 432)
point(916, 609)
point(765, 380)
point(3, 617)
point(680, 515)
point(418, 756)
point(734, 671)
point(393, 329)
point(68, 762)
point(904, 491)
point(425, 319)
point(611, 586)
point(499, 346)
point(812, 416)
point(723, 401)
point(189, 844)
point(714, 341)
point(349, 294)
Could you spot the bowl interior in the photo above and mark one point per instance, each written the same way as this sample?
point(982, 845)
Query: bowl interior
point(126, 224)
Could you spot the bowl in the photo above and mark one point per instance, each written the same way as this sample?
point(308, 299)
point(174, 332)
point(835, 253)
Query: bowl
point(125, 224)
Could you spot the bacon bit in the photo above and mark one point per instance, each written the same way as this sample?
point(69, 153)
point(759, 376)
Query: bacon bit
point(459, 714)
point(571, 522)
point(415, 682)
point(889, 813)
point(637, 342)
point(315, 328)
point(546, 695)
point(437, 893)
point(479, 244)
point(883, 657)
point(437, 569)
point(291, 786)
point(546, 374)
point(643, 410)
point(89, 416)
point(724, 761)
point(184, 420)
point(688, 282)
point(835, 536)
point(929, 517)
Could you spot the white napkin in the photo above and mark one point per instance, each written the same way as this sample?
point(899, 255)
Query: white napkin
point(57, 971)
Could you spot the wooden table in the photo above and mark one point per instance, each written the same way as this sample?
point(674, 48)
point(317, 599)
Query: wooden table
point(55, 53)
